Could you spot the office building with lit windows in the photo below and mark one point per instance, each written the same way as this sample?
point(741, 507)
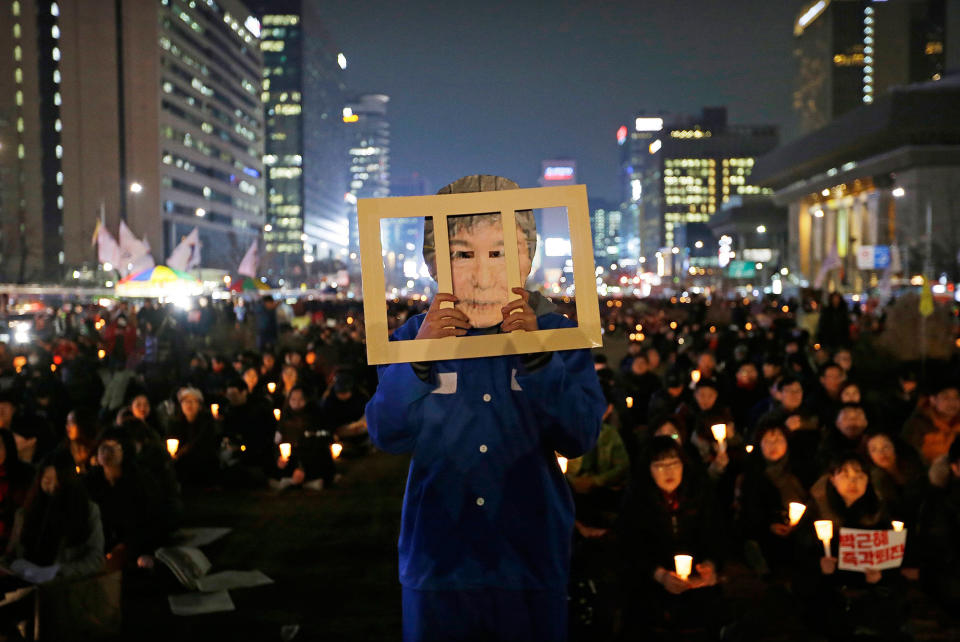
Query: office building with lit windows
point(677, 171)
point(159, 125)
point(848, 52)
point(368, 139)
point(305, 150)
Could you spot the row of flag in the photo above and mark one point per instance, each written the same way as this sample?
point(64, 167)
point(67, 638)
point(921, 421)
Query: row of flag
point(132, 255)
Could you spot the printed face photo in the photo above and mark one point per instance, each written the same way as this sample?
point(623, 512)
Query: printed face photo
point(478, 267)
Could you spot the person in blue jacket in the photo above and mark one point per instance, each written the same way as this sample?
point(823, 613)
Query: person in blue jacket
point(487, 516)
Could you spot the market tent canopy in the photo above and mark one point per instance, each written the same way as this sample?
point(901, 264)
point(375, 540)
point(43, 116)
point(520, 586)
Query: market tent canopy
point(246, 284)
point(158, 281)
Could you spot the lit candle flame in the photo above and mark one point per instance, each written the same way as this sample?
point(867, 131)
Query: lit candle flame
point(695, 376)
point(276, 414)
point(173, 445)
point(271, 387)
point(335, 450)
point(824, 529)
point(720, 434)
point(562, 461)
point(215, 410)
point(796, 511)
point(897, 526)
point(101, 354)
point(629, 402)
point(684, 564)
point(749, 448)
point(285, 449)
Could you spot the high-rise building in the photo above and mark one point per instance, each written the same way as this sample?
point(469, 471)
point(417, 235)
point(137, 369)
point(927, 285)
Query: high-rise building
point(605, 222)
point(850, 51)
point(305, 150)
point(147, 110)
point(678, 170)
point(368, 135)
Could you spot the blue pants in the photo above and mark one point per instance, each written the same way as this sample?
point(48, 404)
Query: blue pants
point(486, 615)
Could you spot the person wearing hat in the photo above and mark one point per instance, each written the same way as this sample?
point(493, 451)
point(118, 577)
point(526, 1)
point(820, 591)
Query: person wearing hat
point(665, 401)
point(488, 517)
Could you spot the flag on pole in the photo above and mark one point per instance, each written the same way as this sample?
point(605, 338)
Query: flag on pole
point(248, 266)
point(186, 255)
point(134, 253)
point(107, 249)
point(926, 299)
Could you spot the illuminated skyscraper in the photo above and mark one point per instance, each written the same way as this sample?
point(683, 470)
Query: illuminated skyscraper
point(677, 171)
point(305, 148)
point(368, 135)
point(850, 51)
point(146, 109)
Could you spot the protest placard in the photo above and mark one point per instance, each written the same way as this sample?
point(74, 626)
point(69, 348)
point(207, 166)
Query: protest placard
point(865, 550)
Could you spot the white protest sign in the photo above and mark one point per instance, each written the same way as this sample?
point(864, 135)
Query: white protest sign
point(871, 550)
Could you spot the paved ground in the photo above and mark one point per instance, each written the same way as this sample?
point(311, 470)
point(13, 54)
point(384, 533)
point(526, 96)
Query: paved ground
point(333, 558)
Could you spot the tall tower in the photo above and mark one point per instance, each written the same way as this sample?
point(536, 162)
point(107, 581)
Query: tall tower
point(368, 135)
point(305, 151)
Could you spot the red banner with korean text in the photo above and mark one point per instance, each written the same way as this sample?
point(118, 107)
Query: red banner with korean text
point(864, 550)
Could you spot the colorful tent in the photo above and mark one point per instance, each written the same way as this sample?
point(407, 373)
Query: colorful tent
point(158, 281)
point(246, 284)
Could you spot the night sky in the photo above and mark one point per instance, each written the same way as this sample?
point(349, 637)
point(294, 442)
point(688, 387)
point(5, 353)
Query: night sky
point(498, 86)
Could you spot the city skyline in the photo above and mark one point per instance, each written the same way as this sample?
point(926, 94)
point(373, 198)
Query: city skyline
point(557, 84)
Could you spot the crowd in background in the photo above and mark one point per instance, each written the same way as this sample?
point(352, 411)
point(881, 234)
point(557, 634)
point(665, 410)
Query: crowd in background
point(268, 395)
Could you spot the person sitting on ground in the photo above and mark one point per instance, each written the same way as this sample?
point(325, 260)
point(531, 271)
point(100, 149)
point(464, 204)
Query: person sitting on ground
point(847, 434)
point(933, 426)
point(249, 428)
point(939, 549)
point(81, 431)
point(197, 452)
point(767, 487)
point(342, 411)
point(15, 480)
point(665, 401)
point(134, 522)
point(59, 527)
point(598, 479)
point(311, 464)
point(847, 603)
point(666, 513)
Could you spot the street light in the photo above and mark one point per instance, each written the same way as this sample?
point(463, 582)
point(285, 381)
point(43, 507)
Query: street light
point(761, 229)
point(136, 188)
point(898, 192)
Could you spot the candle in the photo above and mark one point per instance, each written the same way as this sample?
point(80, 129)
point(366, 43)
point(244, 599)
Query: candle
point(285, 451)
point(563, 463)
point(897, 526)
point(276, 414)
point(684, 564)
point(101, 354)
point(796, 510)
point(335, 450)
point(215, 410)
point(695, 376)
point(172, 446)
point(720, 434)
point(629, 402)
point(749, 448)
point(824, 534)
point(271, 387)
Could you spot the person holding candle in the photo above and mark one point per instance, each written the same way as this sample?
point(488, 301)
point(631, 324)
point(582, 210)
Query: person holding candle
point(848, 601)
point(640, 384)
point(310, 464)
point(767, 487)
point(196, 462)
point(488, 516)
point(939, 549)
point(666, 513)
point(249, 431)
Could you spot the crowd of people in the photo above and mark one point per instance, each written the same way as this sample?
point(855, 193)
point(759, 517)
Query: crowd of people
point(714, 428)
point(111, 418)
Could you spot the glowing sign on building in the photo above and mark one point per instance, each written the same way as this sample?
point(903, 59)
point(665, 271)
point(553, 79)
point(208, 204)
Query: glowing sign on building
point(649, 124)
point(622, 135)
point(558, 173)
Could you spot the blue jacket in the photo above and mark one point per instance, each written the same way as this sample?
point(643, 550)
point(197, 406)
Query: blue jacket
point(486, 505)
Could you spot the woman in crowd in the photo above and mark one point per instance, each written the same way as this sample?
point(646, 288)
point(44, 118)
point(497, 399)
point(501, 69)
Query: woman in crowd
point(197, 453)
point(667, 513)
point(767, 487)
point(15, 480)
point(311, 463)
point(81, 437)
point(59, 526)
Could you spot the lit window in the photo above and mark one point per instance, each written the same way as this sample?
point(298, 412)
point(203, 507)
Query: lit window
point(55, 31)
point(56, 99)
point(58, 125)
point(20, 151)
point(18, 75)
point(54, 9)
point(59, 151)
point(19, 98)
point(56, 53)
point(16, 7)
point(17, 53)
point(16, 30)
point(20, 125)
point(60, 202)
point(56, 76)
point(59, 178)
